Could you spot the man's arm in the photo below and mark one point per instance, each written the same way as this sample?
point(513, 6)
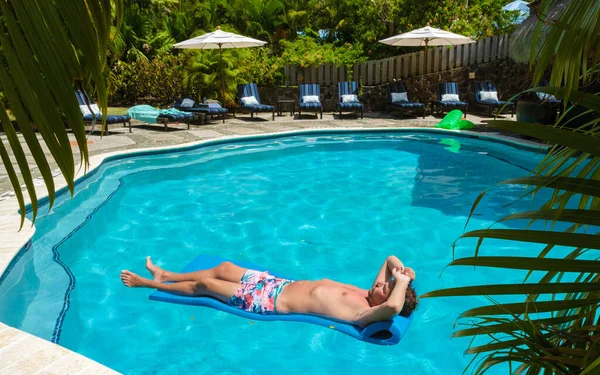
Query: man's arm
point(389, 308)
point(385, 272)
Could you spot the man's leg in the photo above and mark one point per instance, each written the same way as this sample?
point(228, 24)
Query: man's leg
point(219, 289)
point(225, 271)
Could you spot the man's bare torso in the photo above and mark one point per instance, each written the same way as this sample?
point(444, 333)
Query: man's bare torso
point(323, 297)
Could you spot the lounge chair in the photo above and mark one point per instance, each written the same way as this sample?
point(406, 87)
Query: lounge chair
point(347, 102)
point(151, 115)
point(450, 102)
point(486, 88)
point(84, 99)
point(549, 100)
point(203, 109)
point(246, 92)
point(310, 99)
point(401, 102)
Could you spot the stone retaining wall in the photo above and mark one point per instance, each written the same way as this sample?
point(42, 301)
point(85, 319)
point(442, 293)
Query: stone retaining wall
point(510, 78)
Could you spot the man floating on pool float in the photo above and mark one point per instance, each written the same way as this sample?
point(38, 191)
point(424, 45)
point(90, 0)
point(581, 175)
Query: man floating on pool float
point(261, 293)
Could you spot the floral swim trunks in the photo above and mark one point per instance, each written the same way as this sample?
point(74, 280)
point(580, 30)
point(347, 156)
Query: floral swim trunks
point(258, 292)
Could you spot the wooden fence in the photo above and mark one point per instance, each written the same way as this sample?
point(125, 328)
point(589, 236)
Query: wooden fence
point(376, 72)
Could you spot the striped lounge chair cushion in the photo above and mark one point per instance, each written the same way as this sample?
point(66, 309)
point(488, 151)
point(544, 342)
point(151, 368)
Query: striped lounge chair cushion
point(250, 89)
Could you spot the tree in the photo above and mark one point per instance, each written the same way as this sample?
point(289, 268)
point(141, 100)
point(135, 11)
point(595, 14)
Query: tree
point(555, 328)
point(478, 19)
point(388, 11)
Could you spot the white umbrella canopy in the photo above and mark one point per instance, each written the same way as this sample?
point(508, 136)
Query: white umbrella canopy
point(220, 39)
point(427, 36)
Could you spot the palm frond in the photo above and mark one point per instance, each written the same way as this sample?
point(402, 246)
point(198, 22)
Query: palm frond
point(47, 47)
point(527, 263)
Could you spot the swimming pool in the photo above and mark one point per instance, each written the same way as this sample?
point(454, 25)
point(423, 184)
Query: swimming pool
point(311, 206)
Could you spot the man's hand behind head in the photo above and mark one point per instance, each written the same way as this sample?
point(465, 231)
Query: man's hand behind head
point(399, 275)
point(410, 273)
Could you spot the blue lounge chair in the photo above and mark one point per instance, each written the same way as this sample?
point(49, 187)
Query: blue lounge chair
point(151, 115)
point(549, 100)
point(448, 88)
point(487, 86)
point(247, 90)
point(313, 89)
point(349, 88)
point(84, 99)
point(403, 106)
point(203, 109)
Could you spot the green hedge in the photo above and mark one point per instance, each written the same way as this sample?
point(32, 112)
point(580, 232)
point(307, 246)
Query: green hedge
point(155, 81)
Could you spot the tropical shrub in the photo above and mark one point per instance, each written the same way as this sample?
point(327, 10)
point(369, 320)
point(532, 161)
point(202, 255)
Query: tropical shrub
point(306, 51)
point(150, 81)
point(266, 68)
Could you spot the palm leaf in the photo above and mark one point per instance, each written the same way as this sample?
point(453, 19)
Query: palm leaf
point(508, 344)
point(538, 236)
point(28, 134)
point(527, 263)
point(15, 145)
point(563, 137)
point(574, 185)
point(12, 175)
point(47, 46)
point(501, 289)
point(580, 216)
point(35, 94)
point(51, 66)
point(511, 325)
point(594, 368)
point(529, 307)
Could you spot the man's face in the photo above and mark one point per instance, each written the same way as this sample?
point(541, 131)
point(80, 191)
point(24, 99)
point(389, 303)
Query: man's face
point(380, 292)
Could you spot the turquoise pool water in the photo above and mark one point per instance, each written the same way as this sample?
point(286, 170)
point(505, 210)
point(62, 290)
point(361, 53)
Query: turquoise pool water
point(311, 206)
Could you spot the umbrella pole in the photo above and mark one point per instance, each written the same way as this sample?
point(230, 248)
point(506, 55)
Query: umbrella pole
point(222, 76)
point(425, 59)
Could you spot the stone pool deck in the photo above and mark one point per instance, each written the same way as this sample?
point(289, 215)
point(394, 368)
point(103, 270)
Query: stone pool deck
point(23, 353)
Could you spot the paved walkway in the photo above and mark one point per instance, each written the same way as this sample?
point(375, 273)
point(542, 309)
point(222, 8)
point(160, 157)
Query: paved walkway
point(144, 136)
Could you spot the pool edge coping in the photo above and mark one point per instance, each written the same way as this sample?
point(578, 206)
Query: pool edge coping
point(15, 244)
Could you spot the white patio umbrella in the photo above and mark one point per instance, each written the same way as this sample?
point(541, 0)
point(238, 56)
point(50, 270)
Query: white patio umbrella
point(427, 36)
point(220, 39)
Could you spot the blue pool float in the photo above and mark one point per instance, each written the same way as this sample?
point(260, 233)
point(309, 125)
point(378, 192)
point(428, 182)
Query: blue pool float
point(388, 332)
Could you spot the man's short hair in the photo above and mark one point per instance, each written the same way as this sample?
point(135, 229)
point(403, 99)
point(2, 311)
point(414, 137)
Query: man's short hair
point(410, 301)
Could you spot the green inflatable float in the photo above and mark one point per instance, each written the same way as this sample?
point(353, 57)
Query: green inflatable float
point(453, 121)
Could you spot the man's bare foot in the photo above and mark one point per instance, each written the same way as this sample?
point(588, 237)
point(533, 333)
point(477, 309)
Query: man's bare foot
point(158, 274)
point(132, 280)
